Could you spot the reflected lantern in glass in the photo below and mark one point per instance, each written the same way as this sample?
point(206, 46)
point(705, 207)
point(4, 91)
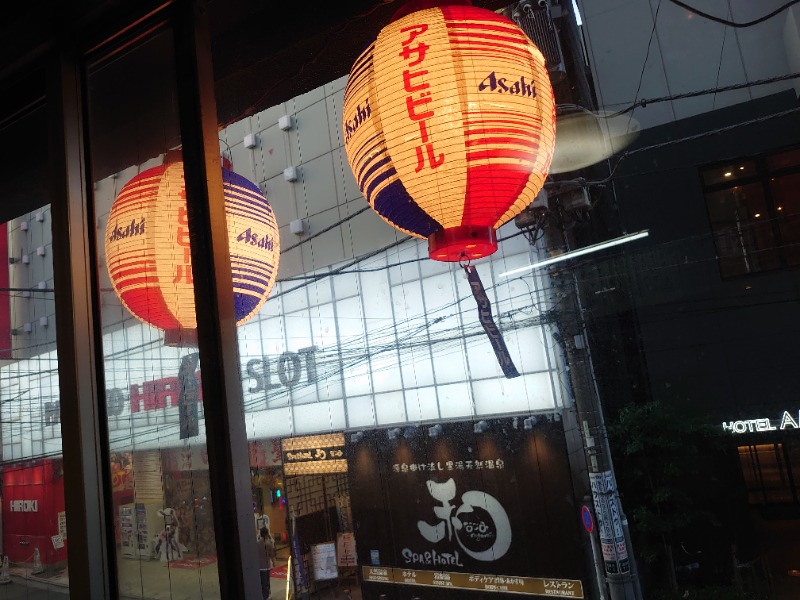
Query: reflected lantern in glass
point(148, 254)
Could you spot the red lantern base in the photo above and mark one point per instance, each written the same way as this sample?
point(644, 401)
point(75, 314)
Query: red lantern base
point(466, 242)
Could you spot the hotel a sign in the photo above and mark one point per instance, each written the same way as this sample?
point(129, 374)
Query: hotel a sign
point(786, 421)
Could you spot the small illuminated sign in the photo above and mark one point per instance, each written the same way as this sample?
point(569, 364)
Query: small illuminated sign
point(505, 584)
point(24, 506)
point(786, 421)
point(314, 454)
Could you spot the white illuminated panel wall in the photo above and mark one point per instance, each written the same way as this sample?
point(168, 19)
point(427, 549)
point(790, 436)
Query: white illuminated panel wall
point(385, 340)
point(395, 345)
point(390, 346)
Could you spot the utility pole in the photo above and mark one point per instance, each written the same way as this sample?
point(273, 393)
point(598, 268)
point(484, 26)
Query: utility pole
point(618, 566)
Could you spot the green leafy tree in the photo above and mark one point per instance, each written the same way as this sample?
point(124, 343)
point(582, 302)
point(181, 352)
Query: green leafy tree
point(664, 462)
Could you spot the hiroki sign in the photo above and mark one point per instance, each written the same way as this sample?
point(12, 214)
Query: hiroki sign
point(786, 421)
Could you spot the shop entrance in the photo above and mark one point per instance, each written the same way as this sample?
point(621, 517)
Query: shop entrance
point(320, 521)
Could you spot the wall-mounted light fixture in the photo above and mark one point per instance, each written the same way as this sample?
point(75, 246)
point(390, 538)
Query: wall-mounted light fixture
point(290, 173)
point(410, 432)
point(481, 427)
point(297, 227)
point(435, 431)
point(250, 141)
point(285, 122)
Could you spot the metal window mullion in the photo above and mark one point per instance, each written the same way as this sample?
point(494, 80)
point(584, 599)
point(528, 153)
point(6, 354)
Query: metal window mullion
point(87, 489)
point(226, 435)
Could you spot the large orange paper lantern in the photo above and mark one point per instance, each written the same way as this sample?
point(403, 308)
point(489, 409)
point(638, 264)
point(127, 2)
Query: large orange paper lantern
point(449, 126)
point(148, 255)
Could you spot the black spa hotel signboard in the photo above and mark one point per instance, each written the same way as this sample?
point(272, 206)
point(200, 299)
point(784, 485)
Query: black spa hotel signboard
point(462, 514)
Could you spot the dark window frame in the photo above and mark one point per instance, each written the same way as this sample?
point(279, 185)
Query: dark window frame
point(762, 177)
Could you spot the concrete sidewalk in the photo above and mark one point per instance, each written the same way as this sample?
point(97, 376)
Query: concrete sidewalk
point(186, 579)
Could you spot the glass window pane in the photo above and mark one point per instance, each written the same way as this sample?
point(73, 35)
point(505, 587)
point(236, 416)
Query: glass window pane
point(400, 351)
point(783, 160)
point(162, 519)
point(743, 231)
point(730, 172)
point(787, 208)
point(34, 520)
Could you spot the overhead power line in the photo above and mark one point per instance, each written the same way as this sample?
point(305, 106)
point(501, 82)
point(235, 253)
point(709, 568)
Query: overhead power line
point(722, 21)
point(696, 93)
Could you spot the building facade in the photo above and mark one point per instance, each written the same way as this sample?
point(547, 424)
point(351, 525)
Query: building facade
point(362, 415)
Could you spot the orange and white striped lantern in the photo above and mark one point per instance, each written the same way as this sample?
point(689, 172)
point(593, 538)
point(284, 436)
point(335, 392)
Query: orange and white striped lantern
point(148, 254)
point(449, 126)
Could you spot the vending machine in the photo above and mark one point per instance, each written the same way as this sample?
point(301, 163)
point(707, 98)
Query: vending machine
point(140, 526)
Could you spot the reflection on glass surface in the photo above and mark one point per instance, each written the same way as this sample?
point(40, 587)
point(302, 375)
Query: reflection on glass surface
point(34, 521)
point(364, 334)
point(743, 230)
point(164, 534)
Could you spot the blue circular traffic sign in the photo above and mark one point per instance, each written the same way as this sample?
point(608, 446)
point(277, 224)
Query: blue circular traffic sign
point(586, 519)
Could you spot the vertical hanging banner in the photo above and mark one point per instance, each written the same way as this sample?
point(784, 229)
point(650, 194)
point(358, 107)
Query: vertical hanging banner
point(189, 396)
point(609, 523)
point(489, 326)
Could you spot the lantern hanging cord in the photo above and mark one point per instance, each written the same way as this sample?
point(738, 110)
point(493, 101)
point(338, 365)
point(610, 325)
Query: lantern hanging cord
point(722, 21)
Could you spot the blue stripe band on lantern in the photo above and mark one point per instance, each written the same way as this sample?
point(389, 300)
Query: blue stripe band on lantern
point(246, 281)
point(367, 153)
point(254, 207)
point(250, 288)
point(261, 278)
point(253, 278)
point(381, 177)
point(243, 262)
point(237, 267)
point(251, 273)
point(247, 197)
point(396, 205)
point(244, 304)
point(249, 209)
point(363, 63)
point(234, 178)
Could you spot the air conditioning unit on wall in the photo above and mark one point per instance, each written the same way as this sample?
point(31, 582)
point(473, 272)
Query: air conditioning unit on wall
point(535, 18)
